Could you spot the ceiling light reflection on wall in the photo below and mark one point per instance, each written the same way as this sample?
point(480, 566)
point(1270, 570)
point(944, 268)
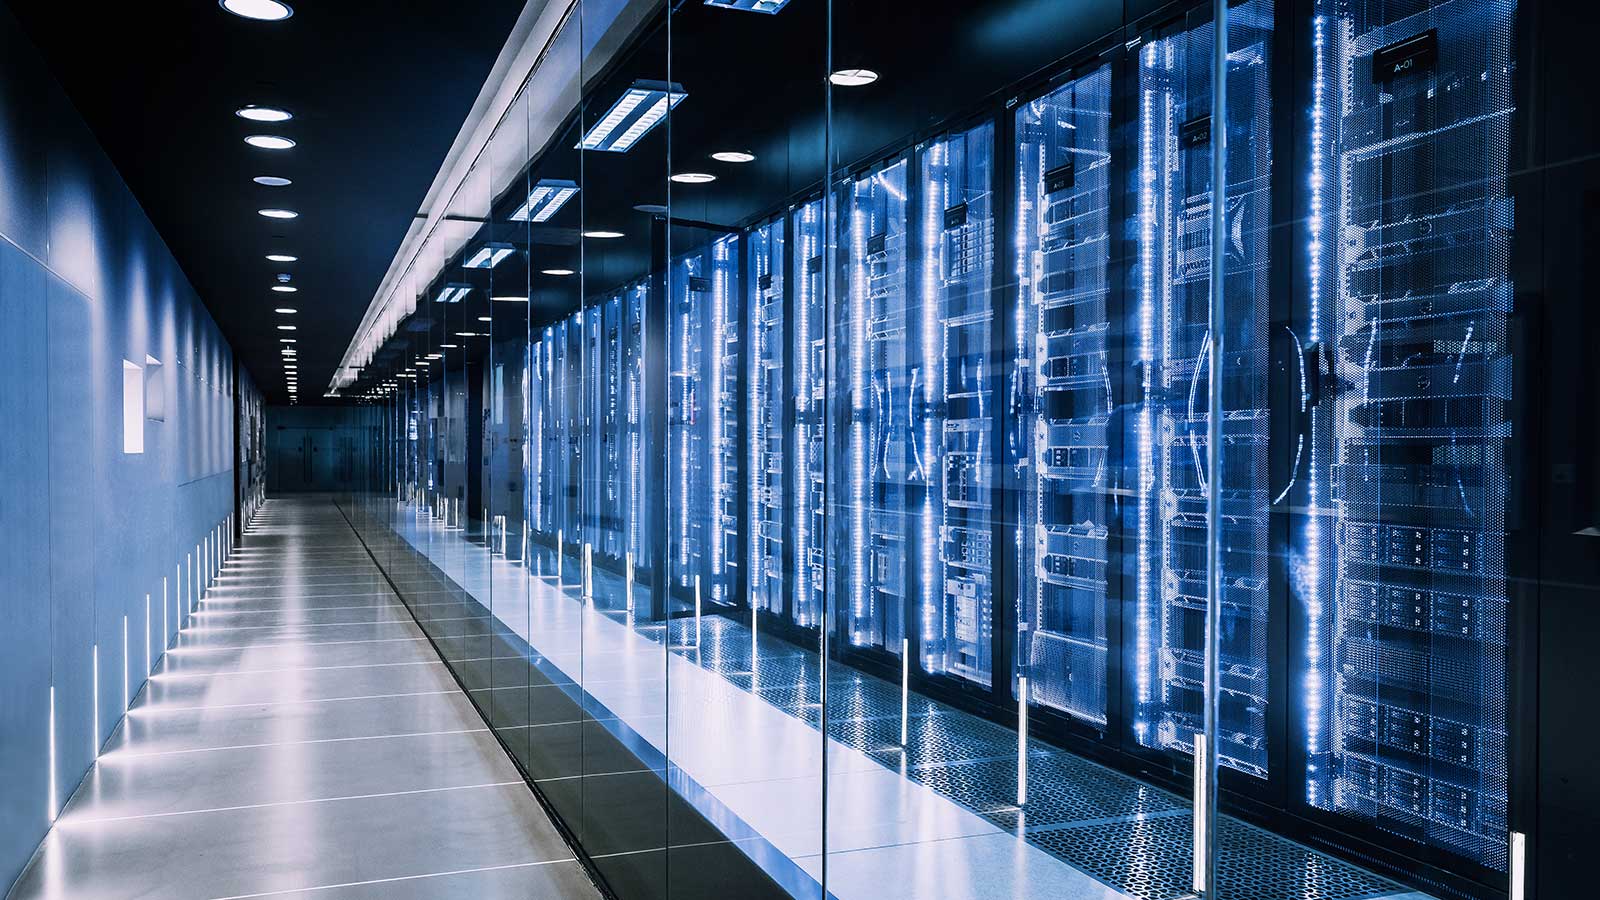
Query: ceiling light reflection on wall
point(734, 156)
point(637, 111)
point(489, 256)
point(452, 292)
point(262, 10)
point(545, 200)
point(853, 77)
point(770, 7)
point(694, 177)
point(263, 113)
point(269, 141)
point(278, 213)
point(272, 181)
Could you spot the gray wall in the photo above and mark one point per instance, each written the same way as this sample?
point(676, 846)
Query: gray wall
point(86, 529)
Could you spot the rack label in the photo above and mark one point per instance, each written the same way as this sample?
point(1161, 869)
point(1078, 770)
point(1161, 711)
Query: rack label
point(877, 243)
point(1414, 54)
point(955, 216)
point(699, 284)
point(765, 282)
point(1195, 132)
point(1061, 177)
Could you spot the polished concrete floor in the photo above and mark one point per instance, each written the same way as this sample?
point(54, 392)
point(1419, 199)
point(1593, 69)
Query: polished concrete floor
point(303, 739)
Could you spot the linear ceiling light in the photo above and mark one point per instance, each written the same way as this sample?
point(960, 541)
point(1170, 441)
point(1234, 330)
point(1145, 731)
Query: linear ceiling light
point(272, 181)
point(489, 256)
point(636, 112)
point(452, 292)
point(278, 213)
point(545, 200)
point(282, 257)
point(769, 7)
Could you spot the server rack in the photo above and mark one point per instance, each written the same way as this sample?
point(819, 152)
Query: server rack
point(810, 416)
point(610, 401)
point(633, 350)
point(952, 389)
point(767, 415)
point(1402, 547)
point(1173, 184)
point(1064, 397)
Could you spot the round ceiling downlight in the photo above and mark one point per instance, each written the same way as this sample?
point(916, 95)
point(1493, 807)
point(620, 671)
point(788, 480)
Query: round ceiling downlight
point(556, 272)
point(272, 181)
point(263, 113)
point(284, 288)
point(268, 141)
point(734, 156)
point(602, 235)
point(278, 213)
point(853, 77)
point(282, 257)
point(260, 10)
point(694, 178)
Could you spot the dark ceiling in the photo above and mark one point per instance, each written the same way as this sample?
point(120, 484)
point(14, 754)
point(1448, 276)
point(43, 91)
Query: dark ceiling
point(378, 88)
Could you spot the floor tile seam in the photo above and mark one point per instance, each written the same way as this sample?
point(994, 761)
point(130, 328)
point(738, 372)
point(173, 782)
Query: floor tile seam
point(75, 822)
point(161, 708)
point(119, 755)
point(400, 878)
point(298, 644)
point(213, 629)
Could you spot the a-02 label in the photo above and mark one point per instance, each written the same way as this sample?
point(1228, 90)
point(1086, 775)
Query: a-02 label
point(1195, 132)
point(877, 243)
point(1414, 54)
point(1061, 177)
point(699, 284)
point(764, 282)
point(955, 216)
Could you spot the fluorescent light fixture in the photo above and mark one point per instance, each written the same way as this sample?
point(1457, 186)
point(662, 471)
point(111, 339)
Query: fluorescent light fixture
point(770, 7)
point(545, 200)
point(489, 256)
point(602, 235)
point(286, 328)
point(466, 334)
point(556, 272)
point(263, 10)
point(278, 213)
point(286, 310)
point(486, 318)
point(637, 111)
point(734, 156)
point(452, 292)
point(510, 298)
point(694, 177)
point(285, 289)
point(436, 356)
point(449, 346)
point(268, 141)
point(263, 113)
point(282, 257)
point(853, 77)
point(272, 181)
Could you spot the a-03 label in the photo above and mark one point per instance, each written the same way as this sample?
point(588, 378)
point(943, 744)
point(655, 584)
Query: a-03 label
point(1195, 132)
point(764, 282)
point(699, 284)
point(877, 243)
point(1414, 54)
point(955, 216)
point(1061, 177)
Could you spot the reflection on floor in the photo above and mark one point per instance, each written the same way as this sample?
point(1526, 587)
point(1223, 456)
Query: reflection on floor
point(935, 818)
point(302, 739)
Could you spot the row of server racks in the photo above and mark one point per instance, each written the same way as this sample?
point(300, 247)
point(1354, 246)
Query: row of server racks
point(955, 411)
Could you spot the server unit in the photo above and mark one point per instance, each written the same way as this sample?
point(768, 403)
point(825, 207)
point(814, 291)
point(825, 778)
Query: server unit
point(1064, 396)
point(810, 439)
point(767, 410)
point(1401, 555)
point(952, 395)
point(635, 488)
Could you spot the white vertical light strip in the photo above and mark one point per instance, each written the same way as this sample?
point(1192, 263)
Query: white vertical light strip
point(588, 572)
point(1313, 533)
point(930, 614)
point(1022, 740)
point(905, 690)
point(147, 659)
point(561, 543)
point(166, 624)
point(124, 661)
point(1200, 800)
point(1518, 867)
point(94, 733)
point(50, 789)
point(697, 610)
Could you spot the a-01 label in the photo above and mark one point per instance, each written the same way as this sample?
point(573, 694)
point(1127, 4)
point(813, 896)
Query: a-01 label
point(699, 284)
point(1061, 177)
point(877, 243)
point(1414, 54)
point(955, 216)
point(764, 282)
point(1195, 132)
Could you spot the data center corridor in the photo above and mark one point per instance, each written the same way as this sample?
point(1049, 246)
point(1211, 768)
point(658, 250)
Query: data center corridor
point(302, 738)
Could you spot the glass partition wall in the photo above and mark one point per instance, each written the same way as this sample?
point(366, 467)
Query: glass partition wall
point(852, 454)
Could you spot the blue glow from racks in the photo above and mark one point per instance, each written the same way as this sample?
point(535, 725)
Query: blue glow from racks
point(807, 245)
point(640, 108)
point(860, 578)
point(715, 347)
point(770, 7)
point(1145, 436)
point(1309, 578)
point(932, 259)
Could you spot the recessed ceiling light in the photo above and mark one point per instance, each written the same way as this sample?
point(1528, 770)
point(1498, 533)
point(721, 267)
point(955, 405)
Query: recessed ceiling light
point(510, 298)
point(264, 10)
point(282, 257)
point(272, 181)
point(263, 113)
point(286, 310)
point(284, 288)
point(448, 346)
point(694, 178)
point(637, 111)
point(286, 340)
point(654, 209)
point(558, 272)
point(602, 235)
point(853, 77)
point(486, 318)
point(545, 200)
point(734, 156)
point(279, 213)
point(435, 355)
point(268, 141)
point(466, 334)
point(285, 327)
